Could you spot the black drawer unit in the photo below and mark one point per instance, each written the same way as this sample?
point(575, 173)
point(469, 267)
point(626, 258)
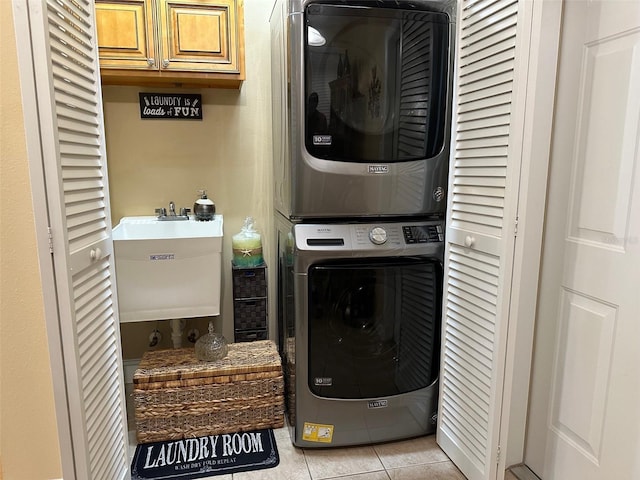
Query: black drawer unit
point(250, 308)
point(250, 335)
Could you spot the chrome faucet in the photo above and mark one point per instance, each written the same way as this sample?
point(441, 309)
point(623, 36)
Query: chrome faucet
point(162, 213)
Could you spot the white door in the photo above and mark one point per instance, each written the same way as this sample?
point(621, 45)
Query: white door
point(491, 83)
point(584, 420)
point(63, 114)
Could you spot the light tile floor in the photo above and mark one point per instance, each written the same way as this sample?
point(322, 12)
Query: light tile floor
point(415, 459)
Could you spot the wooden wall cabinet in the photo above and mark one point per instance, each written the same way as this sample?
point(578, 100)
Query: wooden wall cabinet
point(171, 42)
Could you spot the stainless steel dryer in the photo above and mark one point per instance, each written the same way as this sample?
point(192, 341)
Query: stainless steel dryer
point(359, 313)
point(362, 94)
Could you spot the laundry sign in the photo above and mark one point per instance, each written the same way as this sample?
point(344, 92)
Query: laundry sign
point(177, 106)
point(191, 458)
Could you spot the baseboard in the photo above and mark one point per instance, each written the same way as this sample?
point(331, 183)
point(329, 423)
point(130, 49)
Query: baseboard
point(522, 472)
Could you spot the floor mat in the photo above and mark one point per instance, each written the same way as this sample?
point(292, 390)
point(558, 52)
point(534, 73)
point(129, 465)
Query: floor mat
point(193, 458)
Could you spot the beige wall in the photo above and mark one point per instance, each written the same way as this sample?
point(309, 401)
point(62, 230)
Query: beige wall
point(27, 412)
point(228, 153)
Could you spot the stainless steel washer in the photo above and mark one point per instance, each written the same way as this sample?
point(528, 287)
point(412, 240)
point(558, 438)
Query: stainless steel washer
point(359, 314)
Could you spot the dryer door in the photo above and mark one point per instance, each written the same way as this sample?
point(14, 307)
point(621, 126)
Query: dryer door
point(374, 326)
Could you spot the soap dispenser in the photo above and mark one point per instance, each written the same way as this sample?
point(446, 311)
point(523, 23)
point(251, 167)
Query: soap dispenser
point(204, 209)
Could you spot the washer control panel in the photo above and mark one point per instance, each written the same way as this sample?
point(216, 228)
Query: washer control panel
point(384, 236)
point(422, 233)
point(378, 235)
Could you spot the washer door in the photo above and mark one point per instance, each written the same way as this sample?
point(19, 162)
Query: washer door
point(374, 326)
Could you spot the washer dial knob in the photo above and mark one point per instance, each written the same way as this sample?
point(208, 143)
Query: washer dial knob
point(378, 235)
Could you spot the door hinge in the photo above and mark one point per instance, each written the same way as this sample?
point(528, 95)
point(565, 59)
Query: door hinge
point(498, 456)
point(515, 228)
point(50, 235)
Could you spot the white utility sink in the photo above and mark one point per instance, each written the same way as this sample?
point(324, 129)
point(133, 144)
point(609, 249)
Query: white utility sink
point(150, 228)
point(167, 269)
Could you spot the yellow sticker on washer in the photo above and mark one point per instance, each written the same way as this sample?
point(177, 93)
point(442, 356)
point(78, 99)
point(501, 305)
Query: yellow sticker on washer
point(315, 432)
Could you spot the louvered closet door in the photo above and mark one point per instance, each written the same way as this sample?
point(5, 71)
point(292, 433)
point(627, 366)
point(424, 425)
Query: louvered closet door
point(71, 132)
point(485, 168)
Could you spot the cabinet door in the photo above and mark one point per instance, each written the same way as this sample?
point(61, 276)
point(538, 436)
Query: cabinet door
point(126, 37)
point(201, 35)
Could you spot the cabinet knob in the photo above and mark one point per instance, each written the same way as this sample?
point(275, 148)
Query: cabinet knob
point(165, 63)
point(151, 62)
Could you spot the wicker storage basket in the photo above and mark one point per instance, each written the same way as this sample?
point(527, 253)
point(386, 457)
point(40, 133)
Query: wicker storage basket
point(177, 396)
point(250, 314)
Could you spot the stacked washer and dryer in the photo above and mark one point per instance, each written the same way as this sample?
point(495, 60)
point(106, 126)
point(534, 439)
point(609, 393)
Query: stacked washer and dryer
point(361, 122)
